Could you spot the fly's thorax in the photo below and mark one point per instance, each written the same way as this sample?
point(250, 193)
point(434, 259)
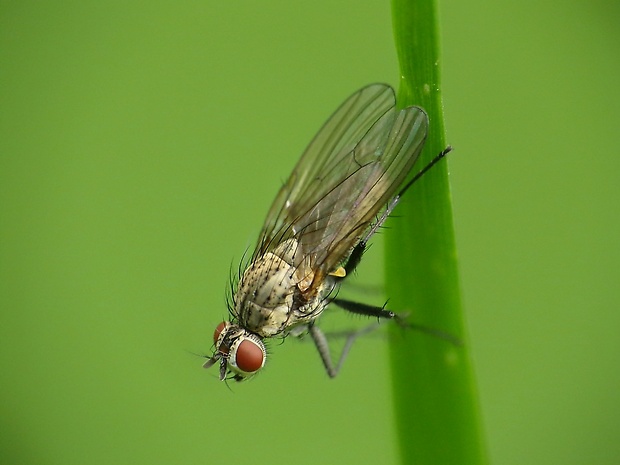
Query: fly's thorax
point(267, 299)
point(238, 350)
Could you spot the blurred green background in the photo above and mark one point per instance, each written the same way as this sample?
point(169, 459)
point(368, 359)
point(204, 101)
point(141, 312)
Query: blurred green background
point(140, 146)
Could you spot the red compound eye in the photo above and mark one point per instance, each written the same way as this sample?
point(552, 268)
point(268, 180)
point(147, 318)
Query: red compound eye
point(218, 330)
point(249, 356)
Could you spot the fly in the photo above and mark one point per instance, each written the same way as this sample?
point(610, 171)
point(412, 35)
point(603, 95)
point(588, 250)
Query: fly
point(340, 192)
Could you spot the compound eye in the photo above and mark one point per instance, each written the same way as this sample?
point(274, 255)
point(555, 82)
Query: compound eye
point(221, 327)
point(250, 356)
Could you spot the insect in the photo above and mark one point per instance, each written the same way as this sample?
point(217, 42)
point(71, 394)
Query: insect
point(340, 192)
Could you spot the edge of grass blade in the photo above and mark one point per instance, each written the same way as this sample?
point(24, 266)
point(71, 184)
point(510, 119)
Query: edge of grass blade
point(436, 404)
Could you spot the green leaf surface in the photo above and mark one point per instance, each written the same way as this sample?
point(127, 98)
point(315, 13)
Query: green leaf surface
point(435, 398)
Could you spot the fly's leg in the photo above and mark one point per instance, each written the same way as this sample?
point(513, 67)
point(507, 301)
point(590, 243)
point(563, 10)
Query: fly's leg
point(370, 310)
point(364, 309)
point(320, 341)
point(355, 258)
point(380, 312)
point(358, 251)
point(423, 171)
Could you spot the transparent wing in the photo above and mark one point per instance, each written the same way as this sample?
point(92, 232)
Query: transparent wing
point(348, 173)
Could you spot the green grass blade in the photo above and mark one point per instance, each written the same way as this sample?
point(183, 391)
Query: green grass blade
point(434, 391)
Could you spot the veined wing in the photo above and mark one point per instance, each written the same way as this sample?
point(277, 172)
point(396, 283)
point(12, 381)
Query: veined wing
point(348, 173)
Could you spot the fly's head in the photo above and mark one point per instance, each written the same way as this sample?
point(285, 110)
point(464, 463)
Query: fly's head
point(239, 352)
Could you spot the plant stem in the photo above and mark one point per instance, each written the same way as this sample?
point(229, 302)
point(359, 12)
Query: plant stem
point(435, 397)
